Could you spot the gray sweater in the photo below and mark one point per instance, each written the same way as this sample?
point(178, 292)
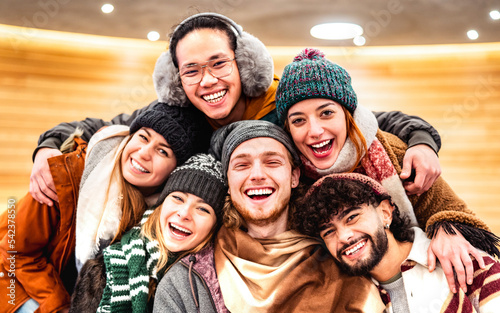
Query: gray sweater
point(177, 293)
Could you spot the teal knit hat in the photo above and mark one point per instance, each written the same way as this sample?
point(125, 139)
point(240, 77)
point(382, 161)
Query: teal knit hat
point(311, 76)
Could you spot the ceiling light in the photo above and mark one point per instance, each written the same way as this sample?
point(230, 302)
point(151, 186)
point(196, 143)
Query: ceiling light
point(359, 40)
point(107, 8)
point(495, 15)
point(472, 34)
point(153, 36)
point(336, 31)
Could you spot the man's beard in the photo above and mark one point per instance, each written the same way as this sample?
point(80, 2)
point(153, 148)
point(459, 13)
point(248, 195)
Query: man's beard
point(263, 219)
point(363, 267)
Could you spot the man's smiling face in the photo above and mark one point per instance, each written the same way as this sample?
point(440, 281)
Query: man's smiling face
point(261, 179)
point(215, 97)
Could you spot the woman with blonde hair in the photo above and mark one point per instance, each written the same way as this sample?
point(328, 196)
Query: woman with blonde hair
point(183, 221)
point(103, 189)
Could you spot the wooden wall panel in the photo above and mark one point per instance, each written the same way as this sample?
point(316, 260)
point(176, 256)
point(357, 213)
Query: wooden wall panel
point(49, 77)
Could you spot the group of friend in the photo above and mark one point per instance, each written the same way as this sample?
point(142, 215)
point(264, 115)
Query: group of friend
point(238, 191)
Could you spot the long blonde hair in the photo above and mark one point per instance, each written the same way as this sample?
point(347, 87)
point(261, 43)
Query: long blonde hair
point(133, 203)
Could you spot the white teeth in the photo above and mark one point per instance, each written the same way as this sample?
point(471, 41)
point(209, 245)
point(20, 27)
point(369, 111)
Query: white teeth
point(215, 96)
point(321, 144)
point(260, 192)
point(138, 167)
point(180, 228)
point(355, 248)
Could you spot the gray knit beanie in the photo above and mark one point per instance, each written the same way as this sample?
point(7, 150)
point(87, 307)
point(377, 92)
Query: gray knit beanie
point(201, 176)
point(310, 76)
point(229, 137)
point(185, 129)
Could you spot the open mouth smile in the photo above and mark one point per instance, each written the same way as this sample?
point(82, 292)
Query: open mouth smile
point(260, 193)
point(215, 97)
point(137, 166)
point(179, 231)
point(353, 249)
point(322, 148)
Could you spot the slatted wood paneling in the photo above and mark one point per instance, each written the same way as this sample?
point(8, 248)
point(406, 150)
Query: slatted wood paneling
point(48, 77)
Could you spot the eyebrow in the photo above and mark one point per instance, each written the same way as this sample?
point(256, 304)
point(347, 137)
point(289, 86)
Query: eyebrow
point(213, 57)
point(321, 107)
point(266, 153)
point(161, 144)
point(339, 216)
point(347, 211)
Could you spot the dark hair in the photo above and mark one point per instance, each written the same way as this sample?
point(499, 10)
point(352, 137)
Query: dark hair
point(201, 22)
point(334, 196)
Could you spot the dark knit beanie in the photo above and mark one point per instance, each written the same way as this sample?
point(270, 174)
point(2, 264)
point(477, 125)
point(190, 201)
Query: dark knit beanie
point(201, 176)
point(311, 76)
point(229, 137)
point(185, 129)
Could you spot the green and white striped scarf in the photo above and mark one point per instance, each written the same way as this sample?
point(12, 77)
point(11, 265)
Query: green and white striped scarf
point(129, 265)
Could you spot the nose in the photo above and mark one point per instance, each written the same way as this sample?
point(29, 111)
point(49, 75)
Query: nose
point(257, 172)
point(344, 234)
point(145, 152)
point(207, 78)
point(315, 129)
point(184, 212)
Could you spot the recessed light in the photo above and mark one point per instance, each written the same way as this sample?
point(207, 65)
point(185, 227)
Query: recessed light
point(107, 8)
point(153, 36)
point(336, 31)
point(359, 40)
point(495, 15)
point(472, 34)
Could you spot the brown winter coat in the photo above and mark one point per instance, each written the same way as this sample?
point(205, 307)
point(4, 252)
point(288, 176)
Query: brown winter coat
point(44, 240)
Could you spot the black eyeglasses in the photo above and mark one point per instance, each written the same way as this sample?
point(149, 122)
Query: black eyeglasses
point(192, 74)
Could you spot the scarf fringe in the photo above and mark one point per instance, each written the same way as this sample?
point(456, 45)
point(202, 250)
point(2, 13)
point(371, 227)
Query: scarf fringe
point(479, 238)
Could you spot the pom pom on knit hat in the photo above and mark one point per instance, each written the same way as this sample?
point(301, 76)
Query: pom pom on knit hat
point(201, 175)
point(185, 129)
point(311, 76)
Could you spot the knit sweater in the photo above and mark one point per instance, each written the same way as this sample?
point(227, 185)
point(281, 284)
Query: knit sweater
point(130, 264)
point(191, 285)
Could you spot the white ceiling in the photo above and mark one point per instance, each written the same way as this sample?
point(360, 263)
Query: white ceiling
point(275, 22)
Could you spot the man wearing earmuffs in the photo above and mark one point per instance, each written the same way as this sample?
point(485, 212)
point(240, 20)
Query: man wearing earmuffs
point(228, 74)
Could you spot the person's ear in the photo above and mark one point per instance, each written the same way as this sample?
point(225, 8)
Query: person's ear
point(295, 177)
point(385, 209)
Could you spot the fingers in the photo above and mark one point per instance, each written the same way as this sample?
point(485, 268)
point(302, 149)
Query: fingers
point(407, 166)
point(41, 192)
point(466, 260)
point(431, 260)
point(416, 187)
point(42, 187)
point(426, 164)
point(462, 267)
point(479, 258)
point(450, 276)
